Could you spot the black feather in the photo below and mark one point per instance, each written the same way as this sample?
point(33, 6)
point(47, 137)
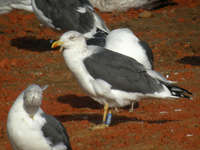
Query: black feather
point(178, 91)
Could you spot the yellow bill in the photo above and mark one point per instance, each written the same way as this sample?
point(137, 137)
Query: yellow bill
point(56, 44)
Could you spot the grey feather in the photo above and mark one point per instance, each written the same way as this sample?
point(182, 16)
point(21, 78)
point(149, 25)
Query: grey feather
point(64, 14)
point(55, 131)
point(122, 72)
point(148, 51)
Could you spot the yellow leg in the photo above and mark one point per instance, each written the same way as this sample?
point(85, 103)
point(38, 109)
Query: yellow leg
point(103, 124)
point(132, 107)
point(106, 107)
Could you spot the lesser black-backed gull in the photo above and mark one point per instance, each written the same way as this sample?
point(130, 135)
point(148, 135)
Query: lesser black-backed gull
point(29, 128)
point(123, 5)
point(110, 78)
point(65, 15)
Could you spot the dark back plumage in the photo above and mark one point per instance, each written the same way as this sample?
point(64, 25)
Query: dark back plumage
point(64, 14)
point(55, 131)
point(122, 72)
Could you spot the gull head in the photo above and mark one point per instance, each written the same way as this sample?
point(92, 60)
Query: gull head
point(33, 98)
point(68, 40)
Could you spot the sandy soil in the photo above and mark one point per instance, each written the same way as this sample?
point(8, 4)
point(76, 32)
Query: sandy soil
point(172, 32)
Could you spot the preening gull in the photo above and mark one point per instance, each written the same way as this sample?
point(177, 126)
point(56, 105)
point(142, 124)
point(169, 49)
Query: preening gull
point(29, 128)
point(65, 15)
point(8, 5)
point(123, 5)
point(125, 42)
point(110, 78)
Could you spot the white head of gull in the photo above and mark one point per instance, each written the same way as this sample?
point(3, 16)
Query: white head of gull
point(110, 78)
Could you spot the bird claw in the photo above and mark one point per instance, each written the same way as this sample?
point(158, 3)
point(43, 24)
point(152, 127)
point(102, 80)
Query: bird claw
point(99, 126)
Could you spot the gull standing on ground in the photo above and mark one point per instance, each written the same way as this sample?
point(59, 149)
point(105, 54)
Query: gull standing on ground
point(110, 78)
point(29, 128)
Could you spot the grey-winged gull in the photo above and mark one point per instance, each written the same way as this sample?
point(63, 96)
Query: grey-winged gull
point(29, 128)
point(65, 15)
point(123, 5)
point(8, 5)
point(110, 78)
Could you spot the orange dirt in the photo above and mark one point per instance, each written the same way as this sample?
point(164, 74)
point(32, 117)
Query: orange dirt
point(173, 33)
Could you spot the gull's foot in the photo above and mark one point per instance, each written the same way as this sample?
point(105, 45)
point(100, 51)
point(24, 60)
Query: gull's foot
point(130, 110)
point(99, 126)
point(116, 109)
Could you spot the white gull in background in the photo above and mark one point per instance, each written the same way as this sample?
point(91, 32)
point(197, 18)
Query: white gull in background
point(29, 128)
point(8, 5)
point(125, 42)
point(123, 5)
point(110, 78)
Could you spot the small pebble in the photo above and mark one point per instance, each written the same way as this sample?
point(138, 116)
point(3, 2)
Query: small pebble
point(163, 112)
point(189, 135)
point(145, 14)
point(176, 110)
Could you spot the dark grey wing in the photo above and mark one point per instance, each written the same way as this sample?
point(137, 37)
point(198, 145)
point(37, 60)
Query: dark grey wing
point(122, 72)
point(148, 50)
point(54, 131)
point(64, 14)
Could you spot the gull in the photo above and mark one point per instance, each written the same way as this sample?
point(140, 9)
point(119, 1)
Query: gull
point(124, 41)
point(65, 15)
point(29, 128)
point(123, 5)
point(110, 78)
point(8, 5)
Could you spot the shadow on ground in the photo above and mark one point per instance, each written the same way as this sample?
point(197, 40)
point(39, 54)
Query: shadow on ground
point(32, 43)
point(85, 102)
point(192, 60)
point(79, 101)
point(96, 119)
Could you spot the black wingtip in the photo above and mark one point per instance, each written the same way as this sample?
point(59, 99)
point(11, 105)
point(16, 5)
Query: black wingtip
point(180, 92)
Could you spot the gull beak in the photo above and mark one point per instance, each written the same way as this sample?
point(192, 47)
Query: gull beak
point(57, 44)
point(31, 116)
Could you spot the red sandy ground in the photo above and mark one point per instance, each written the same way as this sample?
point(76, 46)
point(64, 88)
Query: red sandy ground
point(173, 33)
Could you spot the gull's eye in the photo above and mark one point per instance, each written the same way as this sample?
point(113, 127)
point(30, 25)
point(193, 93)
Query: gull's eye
point(72, 37)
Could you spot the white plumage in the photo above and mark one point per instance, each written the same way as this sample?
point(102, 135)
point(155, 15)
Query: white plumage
point(8, 5)
point(125, 42)
point(123, 5)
